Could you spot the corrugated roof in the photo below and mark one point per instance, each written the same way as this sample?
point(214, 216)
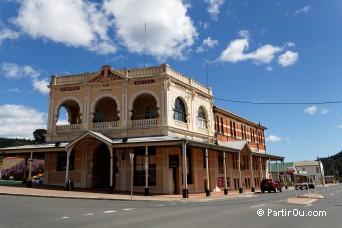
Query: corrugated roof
point(307, 163)
point(281, 166)
point(238, 144)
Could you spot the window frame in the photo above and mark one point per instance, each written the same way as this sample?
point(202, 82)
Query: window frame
point(179, 110)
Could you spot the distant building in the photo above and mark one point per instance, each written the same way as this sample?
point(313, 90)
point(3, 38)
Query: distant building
point(181, 142)
point(284, 172)
point(313, 170)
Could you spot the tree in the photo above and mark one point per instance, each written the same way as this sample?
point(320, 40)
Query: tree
point(39, 136)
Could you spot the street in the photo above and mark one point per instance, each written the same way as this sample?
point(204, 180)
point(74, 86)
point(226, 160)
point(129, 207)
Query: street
point(259, 210)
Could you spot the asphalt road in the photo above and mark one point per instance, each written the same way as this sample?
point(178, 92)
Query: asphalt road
point(22, 211)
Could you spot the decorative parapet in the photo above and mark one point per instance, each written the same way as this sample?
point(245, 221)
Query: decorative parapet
point(68, 128)
point(144, 123)
point(105, 125)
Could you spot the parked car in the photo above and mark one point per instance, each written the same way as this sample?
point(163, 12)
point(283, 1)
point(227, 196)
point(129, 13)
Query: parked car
point(37, 180)
point(270, 185)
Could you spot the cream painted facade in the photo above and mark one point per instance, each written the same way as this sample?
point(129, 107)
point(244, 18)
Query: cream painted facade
point(167, 120)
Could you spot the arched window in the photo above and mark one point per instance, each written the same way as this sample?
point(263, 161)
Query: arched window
point(179, 110)
point(201, 119)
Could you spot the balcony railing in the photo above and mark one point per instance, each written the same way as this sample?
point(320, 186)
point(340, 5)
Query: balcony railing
point(68, 128)
point(105, 125)
point(145, 123)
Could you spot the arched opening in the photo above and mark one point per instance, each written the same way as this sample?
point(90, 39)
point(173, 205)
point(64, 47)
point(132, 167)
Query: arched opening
point(201, 118)
point(106, 110)
point(69, 113)
point(101, 167)
point(145, 107)
point(179, 111)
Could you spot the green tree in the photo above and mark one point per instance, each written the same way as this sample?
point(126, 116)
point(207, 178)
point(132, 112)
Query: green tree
point(39, 136)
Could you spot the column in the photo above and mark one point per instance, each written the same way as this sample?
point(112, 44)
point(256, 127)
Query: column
point(240, 173)
point(111, 188)
point(68, 183)
point(252, 174)
point(225, 174)
point(285, 175)
point(146, 193)
point(207, 191)
point(185, 179)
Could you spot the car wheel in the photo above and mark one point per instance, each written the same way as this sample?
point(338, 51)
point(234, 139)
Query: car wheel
point(269, 191)
point(262, 191)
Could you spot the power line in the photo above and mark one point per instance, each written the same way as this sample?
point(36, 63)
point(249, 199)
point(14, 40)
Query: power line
point(279, 103)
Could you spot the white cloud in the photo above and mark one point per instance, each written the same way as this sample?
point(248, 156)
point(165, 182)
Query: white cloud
point(77, 23)
point(310, 110)
point(305, 9)
point(207, 43)
point(6, 33)
point(214, 7)
point(14, 90)
point(14, 71)
point(324, 111)
point(235, 52)
point(339, 126)
point(273, 138)
point(17, 121)
point(314, 109)
point(288, 58)
point(169, 30)
point(269, 69)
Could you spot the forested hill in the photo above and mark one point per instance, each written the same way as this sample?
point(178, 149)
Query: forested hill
point(332, 164)
point(7, 142)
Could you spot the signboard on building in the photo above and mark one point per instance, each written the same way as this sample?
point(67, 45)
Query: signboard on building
point(173, 161)
point(290, 169)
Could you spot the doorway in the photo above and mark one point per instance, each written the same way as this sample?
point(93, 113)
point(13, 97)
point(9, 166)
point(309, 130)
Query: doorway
point(174, 180)
point(101, 167)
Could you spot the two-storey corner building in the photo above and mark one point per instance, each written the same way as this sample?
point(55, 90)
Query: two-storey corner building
point(251, 164)
point(154, 123)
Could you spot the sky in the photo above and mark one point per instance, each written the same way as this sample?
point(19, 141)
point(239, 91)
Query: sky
point(274, 62)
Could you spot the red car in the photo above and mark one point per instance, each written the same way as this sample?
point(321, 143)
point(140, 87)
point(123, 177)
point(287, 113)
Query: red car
point(270, 185)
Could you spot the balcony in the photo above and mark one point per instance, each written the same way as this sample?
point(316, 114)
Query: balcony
point(145, 123)
point(68, 128)
point(105, 126)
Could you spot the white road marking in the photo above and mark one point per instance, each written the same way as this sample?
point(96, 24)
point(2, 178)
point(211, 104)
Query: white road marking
point(107, 212)
point(332, 194)
point(88, 214)
point(308, 205)
point(160, 205)
point(128, 209)
point(258, 205)
point(64, 217)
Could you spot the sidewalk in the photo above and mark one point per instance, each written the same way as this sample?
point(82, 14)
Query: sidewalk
point(59, 192)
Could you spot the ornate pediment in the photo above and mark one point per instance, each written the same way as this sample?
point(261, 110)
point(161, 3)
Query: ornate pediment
point(106, 74)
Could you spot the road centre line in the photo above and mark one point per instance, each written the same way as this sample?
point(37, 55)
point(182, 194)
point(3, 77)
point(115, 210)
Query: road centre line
point(107, 212)
point(128, 209)
point(258, 205)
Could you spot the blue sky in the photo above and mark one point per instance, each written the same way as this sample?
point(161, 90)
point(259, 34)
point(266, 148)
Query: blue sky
point(257, 51)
